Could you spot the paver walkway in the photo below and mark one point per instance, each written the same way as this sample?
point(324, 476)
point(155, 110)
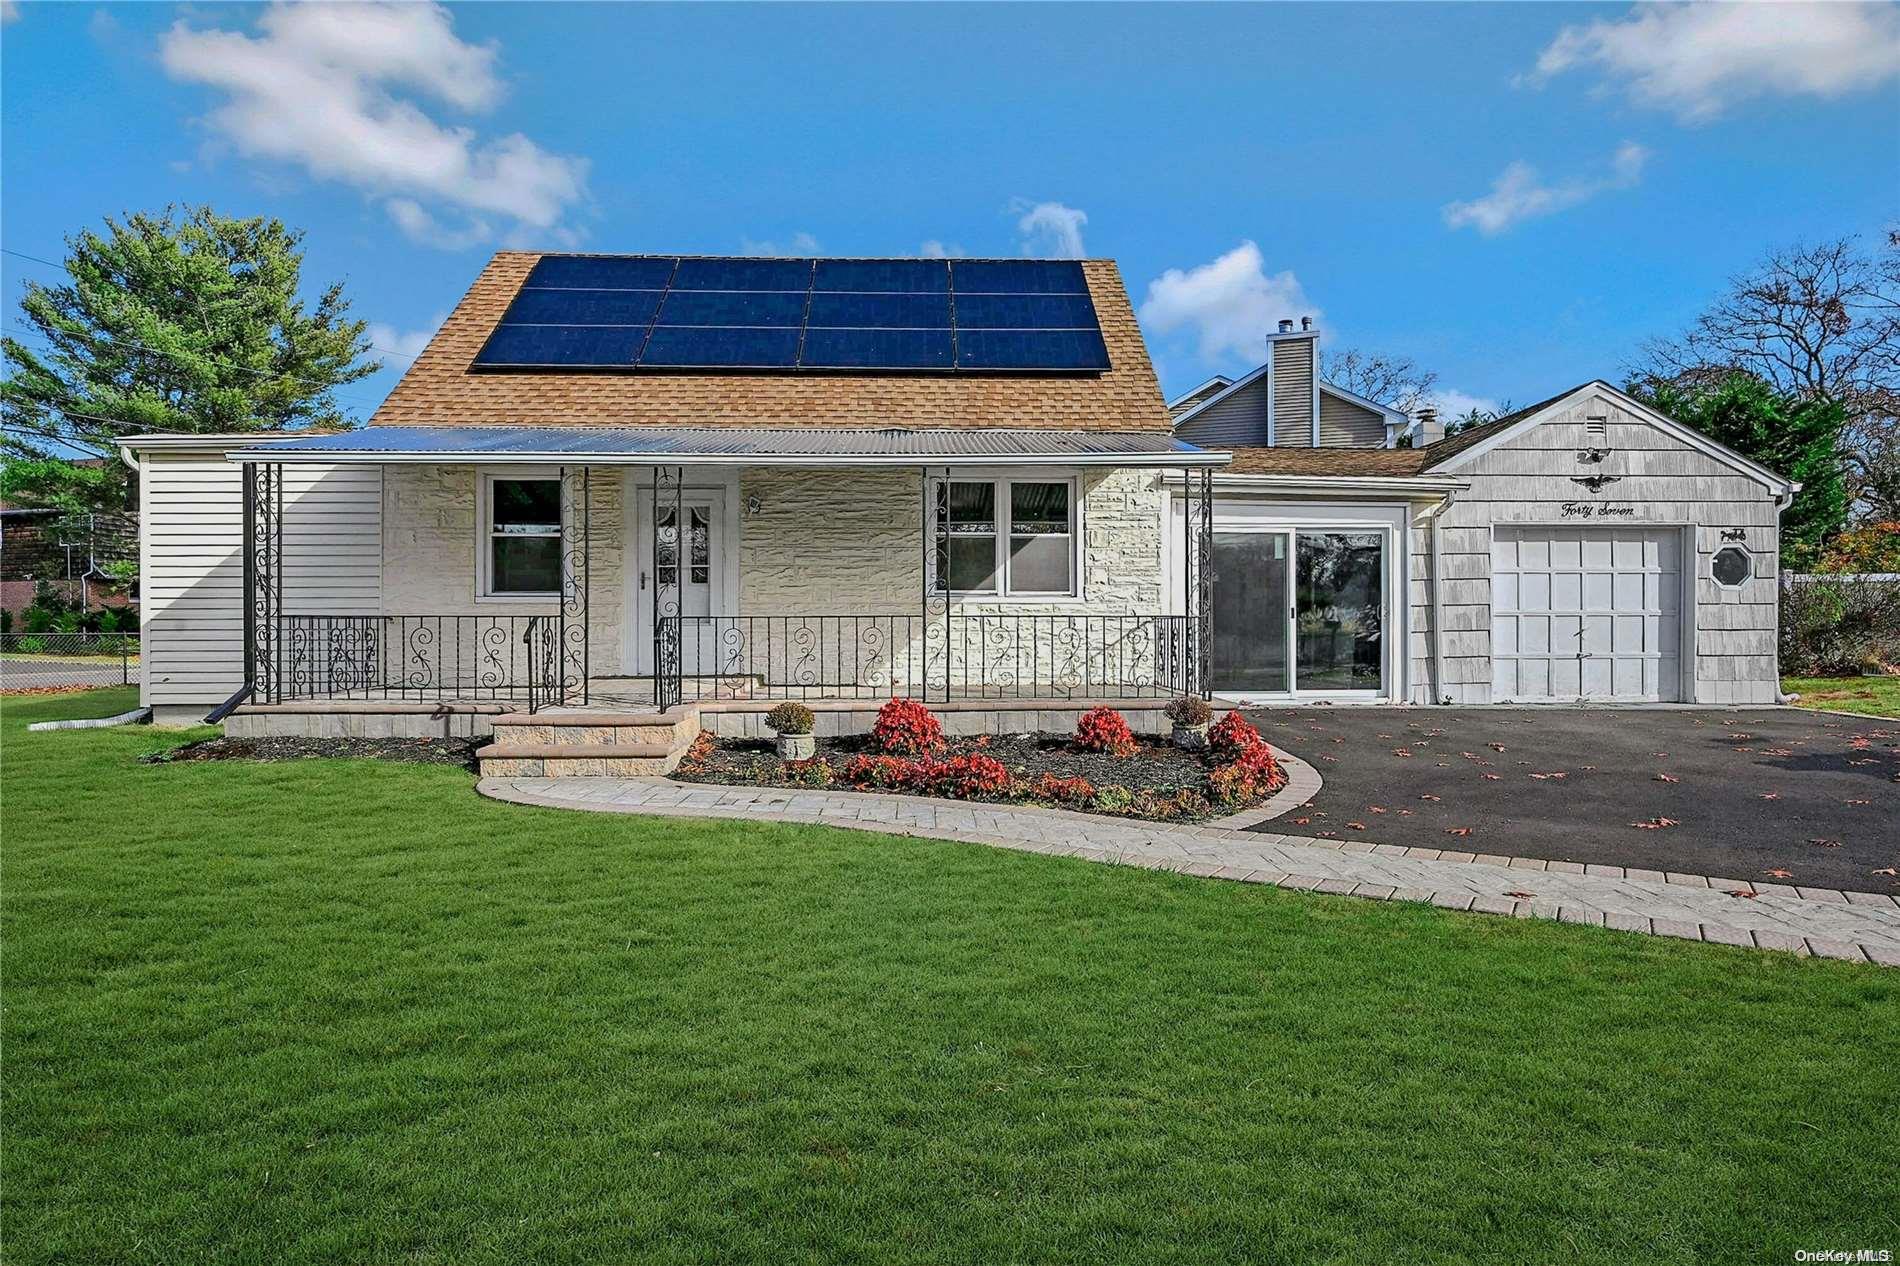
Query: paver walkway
point(1861, 927)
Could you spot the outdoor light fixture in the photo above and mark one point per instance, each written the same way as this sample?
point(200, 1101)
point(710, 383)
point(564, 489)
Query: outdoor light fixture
point(753, 504)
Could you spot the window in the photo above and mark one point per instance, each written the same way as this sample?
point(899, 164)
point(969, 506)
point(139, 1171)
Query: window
point(523, 528)
point(1031, 552)
point(1731, 566)
point(698, 547)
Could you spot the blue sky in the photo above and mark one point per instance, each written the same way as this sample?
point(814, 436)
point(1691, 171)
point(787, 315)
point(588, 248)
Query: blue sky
point(1512, 195)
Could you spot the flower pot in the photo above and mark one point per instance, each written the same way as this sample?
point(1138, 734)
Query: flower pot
point(1190, 738)
point(797, 746)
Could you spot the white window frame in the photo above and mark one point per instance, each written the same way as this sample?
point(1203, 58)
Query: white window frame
point(1002, 483)
point(1745, 552)
point(485, 534)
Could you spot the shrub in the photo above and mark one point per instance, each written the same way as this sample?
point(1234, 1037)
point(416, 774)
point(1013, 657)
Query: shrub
point(1232, 735)
point(698, 754)
point(815, 772)
point(1838, 625)
point(1104, 730)
point(906, 728)
point(1190, 710)
point(1076, 790)
point(891, 773)
point(1252, 773)
point(973, 774)
point(1114, 798)
point(790, 718)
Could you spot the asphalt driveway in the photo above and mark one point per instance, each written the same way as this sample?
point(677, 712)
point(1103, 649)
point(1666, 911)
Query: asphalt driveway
point(1738, 794)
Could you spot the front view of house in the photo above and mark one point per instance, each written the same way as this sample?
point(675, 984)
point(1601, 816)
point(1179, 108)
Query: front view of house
point(653, 482)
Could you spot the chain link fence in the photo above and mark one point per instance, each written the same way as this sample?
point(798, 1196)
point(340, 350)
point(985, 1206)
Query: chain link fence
point(67, 661)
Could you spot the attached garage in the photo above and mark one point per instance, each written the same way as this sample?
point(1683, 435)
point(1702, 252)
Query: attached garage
point(1586, 613)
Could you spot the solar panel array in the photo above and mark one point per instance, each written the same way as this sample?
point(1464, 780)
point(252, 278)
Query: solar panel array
point(787, 315)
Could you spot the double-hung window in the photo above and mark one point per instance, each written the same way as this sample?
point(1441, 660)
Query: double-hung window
point(521, 522)
point(1008, 537)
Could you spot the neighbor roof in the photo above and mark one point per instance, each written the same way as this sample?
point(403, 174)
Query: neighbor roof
point(1328, 462)
point(440, 390)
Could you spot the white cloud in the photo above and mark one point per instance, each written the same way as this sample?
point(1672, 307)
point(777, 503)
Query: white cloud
point(1699, 59)
point(9, 12)
point(1049, 229)
point(1230, 305)
point(934, 249)
point(399, 345)
point(1519, 193)
point(1452, 403)
point(802, 243)
point(334, 89)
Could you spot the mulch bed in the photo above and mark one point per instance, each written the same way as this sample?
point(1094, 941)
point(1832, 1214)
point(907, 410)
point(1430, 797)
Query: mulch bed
point(459, 752)
point(1175, 781)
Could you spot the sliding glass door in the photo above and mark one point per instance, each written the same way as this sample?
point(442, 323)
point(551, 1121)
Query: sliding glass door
point(1299, 611)
point(1339, 614)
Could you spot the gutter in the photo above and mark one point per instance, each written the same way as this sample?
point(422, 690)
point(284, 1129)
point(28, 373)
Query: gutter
point(1435, 598)
point(1782, 502)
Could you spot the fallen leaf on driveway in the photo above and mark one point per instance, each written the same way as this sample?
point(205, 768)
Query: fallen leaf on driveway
point(1431, 797)
point(1375, 808)
point(1818, 843)
point(1659, 753)
point(1778, 873)
point(1667, 778)
point(1458, 830)
point(1654, 824)
point(1492, 777)
point(1771, 795)
point(1357, 826)
point(1860, 802)
point(1496, 747)
point(1328, 835)
point(1887, 870)
point(1405, 813)
point(1400, 751)
point(1777, 751)
point(1301, 821)
point(1521, 896)
point(1742, 892)
point(1333, 759)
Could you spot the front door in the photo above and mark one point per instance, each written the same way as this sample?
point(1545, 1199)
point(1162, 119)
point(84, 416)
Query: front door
point(675, 569)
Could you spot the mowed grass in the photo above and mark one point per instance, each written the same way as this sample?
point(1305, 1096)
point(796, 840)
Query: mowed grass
point(1876, 696)
point(348, 1012)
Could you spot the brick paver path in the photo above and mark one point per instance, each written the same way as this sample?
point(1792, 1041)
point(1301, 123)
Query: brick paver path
point(1861, 927)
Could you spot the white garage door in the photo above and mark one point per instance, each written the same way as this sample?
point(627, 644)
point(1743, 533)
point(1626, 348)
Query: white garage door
point(1586, 613)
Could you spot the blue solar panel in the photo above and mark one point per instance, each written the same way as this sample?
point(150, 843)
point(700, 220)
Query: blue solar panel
point(1018, 277)
point(890, 311)
point(884, 276)
point(1030, 349)
point(733, 307)
point(743, 274)
point(876, 349)
point(583, 307)
point(666, 313)
point(565, 346)
point(721, 347)
point(603, 272)
point(1025, 312)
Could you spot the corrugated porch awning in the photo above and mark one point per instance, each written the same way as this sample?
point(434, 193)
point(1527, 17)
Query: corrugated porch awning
point(735, 446)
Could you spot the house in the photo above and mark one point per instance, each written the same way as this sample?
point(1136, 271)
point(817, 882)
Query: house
point(639, 482)
point(618, 484)
point(1585, 548)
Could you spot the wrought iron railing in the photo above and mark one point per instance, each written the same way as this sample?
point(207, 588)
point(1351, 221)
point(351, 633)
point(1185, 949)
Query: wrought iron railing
point(929, 656)
point(418, 658)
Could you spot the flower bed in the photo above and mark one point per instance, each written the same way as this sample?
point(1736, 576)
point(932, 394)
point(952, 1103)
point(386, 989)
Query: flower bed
point(1100, 769)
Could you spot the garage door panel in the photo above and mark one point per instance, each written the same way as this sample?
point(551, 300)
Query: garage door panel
point(1586, 612)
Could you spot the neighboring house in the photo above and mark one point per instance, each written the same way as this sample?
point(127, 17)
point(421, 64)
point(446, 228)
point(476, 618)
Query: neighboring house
point(1584, 548)
point(69, 551)
point(628, 481)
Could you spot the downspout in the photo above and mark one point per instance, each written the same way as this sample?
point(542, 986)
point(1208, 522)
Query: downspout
point(1436, 598)
point(1782, 502)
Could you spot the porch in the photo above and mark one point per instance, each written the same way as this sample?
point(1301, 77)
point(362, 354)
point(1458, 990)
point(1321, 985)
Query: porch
point(1067, 572)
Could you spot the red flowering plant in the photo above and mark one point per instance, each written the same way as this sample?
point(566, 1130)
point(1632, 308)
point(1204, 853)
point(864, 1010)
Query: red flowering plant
point(1252, 774)
point(1076, 790)
point(906, 728)
point(1105, 730)
point(969, 775)
point(1232, 735)
point(973, 774)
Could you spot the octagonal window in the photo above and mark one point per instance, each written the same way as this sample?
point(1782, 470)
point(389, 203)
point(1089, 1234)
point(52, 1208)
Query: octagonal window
point(1731, 566)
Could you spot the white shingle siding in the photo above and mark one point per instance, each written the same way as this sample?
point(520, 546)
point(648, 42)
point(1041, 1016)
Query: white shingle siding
point(1664, 482)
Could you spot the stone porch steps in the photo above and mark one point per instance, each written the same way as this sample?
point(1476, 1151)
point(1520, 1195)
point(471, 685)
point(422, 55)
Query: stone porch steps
point(588, 744)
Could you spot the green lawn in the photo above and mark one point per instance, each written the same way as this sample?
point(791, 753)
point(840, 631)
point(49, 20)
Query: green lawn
point(1878, 696)
point(337, 1012)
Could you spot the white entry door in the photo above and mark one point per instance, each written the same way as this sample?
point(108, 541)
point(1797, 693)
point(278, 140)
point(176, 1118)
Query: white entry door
point(684, 577)
point(1586, 613)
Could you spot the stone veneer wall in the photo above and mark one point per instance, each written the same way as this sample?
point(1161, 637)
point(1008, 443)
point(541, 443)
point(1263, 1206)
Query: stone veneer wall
point(429, 551)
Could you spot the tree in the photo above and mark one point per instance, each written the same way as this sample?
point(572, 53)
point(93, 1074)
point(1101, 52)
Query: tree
point(1793, 436)
point(1394, 381)
point(1814, 322)
point(1880, 487)
point(182, 321)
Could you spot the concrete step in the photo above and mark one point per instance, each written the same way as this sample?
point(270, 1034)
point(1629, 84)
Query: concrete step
point(514, 759)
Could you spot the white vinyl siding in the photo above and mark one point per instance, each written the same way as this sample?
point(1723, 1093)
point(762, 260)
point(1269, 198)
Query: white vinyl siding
point(1293, 393)
point(191, 564)
point(1345, 424)
point(1240, 418)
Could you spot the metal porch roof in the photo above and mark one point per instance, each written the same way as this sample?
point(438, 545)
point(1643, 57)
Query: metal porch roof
point(735, 446)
